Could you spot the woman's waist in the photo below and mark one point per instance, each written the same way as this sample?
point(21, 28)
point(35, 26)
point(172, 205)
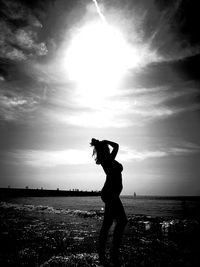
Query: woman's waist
point(113, 177)
point(116, 183)
point(112, 168)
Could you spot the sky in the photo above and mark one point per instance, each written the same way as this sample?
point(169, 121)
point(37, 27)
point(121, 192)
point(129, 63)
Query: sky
point(125, 71)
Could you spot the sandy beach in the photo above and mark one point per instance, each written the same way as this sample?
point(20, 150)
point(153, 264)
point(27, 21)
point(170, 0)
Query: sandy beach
point(41, 236)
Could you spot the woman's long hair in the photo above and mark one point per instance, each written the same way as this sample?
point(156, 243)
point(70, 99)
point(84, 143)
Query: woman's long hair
point(101, 152)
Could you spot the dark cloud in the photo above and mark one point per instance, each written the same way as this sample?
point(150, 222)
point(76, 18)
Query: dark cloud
point(165, 73)
point(188, 20)
point(20, 92)
point(183, 97)
point(14, 108)
point(189, 67)
point(19, 28)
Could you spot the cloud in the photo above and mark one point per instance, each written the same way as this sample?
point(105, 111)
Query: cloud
point(96, 119)
point(184, 149)
point(136, 106)
point(15, 106)
point(167, 24)
point(25, 38)
point(134, 155)
point(54, 158)
point(160, 102)
point(169, 28)
point(19, 32)
point(133, 105)
point(2, 79)
point(50, 159)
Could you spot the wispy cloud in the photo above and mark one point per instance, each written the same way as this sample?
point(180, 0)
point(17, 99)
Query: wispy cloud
point(50, 159)
point(15, 106)
point(160, 102)
point(165, 25)
point(127, 154)
point(159, 26)
point(136, 106)
point(54, 158)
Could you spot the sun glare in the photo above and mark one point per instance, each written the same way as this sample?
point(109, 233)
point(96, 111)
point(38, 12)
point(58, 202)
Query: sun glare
point(97, 59)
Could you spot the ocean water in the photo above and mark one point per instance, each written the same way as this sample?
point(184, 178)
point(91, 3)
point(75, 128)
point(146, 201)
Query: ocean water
point(148, 206)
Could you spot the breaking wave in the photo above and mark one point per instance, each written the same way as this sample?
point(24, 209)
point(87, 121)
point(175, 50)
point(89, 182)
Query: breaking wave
point(48, 209)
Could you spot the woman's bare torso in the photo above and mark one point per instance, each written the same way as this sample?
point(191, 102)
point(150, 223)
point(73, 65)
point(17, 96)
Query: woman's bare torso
point(113, 184)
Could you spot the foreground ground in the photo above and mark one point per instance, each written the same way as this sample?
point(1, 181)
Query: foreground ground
point(47, 237)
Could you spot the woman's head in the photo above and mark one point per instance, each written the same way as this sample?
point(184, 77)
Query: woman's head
point(101, 151)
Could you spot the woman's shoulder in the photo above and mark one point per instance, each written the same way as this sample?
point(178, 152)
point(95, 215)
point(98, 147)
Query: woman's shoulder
point(110, 162)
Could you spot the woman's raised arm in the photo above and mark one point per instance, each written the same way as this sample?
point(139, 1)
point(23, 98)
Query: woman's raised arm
point(115, 147)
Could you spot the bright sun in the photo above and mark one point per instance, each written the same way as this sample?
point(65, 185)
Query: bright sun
point(97, 58)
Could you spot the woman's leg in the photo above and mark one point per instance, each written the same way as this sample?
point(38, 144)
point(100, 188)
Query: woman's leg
point(107, 222)
point(121, 221)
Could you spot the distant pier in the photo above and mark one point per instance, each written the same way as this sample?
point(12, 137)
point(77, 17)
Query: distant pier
point(27, 192)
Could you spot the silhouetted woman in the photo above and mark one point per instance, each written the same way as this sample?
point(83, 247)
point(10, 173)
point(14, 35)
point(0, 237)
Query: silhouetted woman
point(110, 195)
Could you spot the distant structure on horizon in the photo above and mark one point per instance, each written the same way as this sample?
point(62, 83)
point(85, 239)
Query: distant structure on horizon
point(134, 195)
point(21, 192)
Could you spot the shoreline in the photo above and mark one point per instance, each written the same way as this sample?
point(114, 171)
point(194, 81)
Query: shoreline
point(29, 192)
point(32, 192)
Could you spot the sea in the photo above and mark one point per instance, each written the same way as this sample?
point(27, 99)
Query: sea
point(153, 206)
